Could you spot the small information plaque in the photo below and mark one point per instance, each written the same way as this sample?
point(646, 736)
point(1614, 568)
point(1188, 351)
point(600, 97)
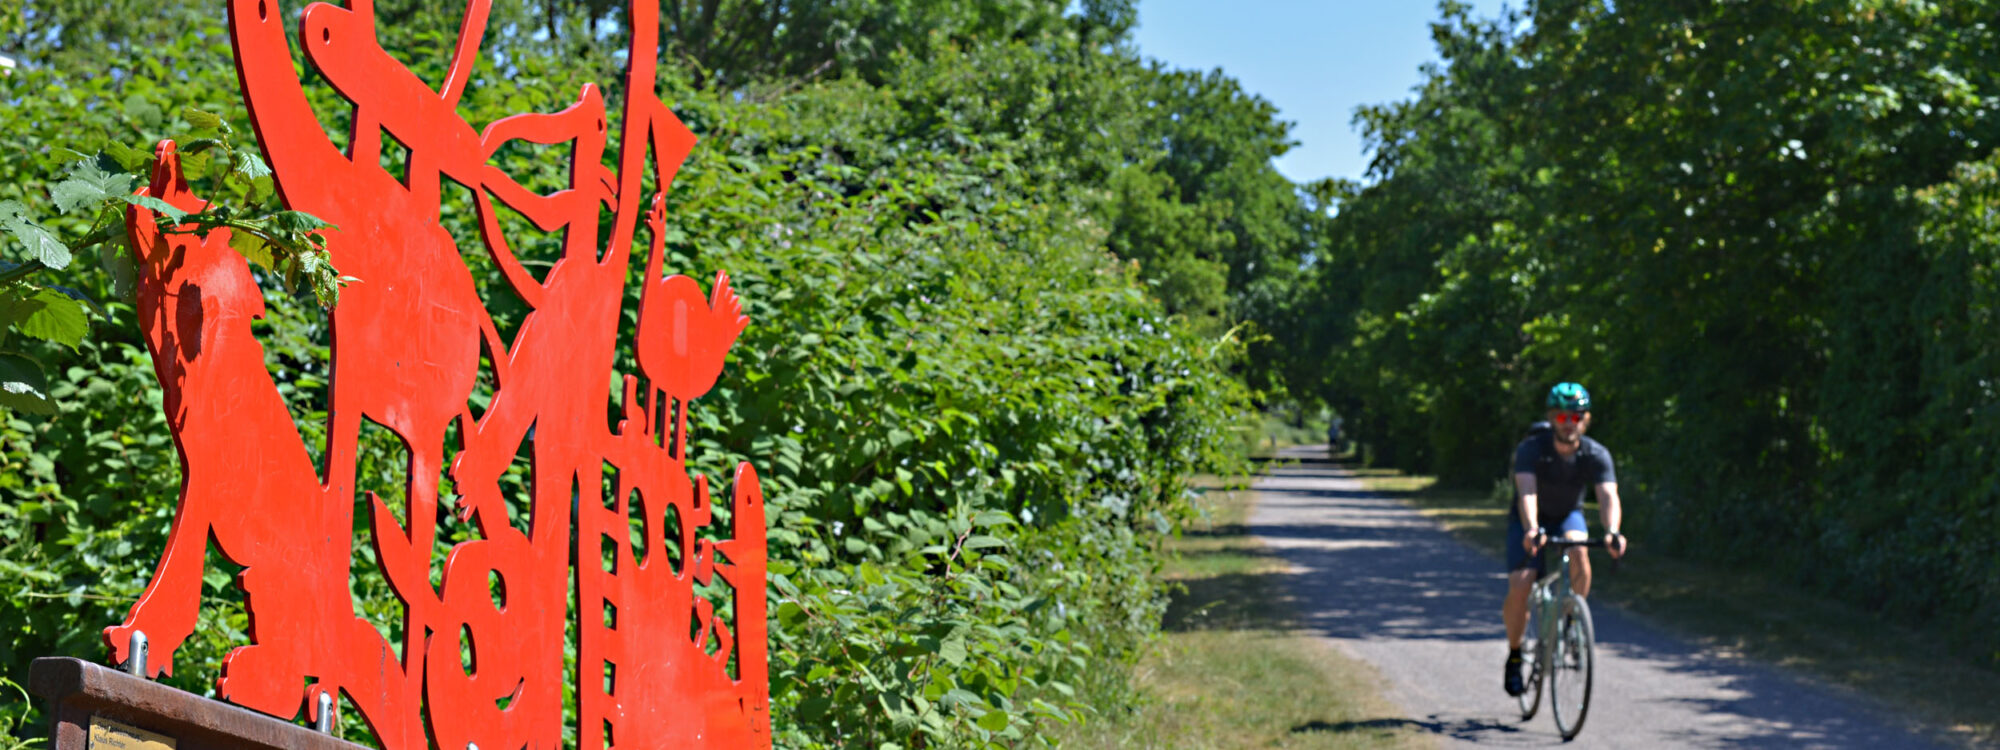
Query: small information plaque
point(106, 734)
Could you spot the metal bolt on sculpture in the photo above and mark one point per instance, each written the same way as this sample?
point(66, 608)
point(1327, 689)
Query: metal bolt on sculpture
point(667, 670)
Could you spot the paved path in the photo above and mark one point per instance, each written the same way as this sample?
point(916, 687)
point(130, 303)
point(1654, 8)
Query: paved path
point(1391, 588)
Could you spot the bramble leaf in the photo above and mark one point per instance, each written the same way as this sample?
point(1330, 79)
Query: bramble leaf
point(956, 697)
point(23, 386)
point(41, 243)
point(199, 146)
point(253, 248)
point(78, 295)
point(250, 165)
point(143, 111)
point(69, 194)
point(204, 120)
point(158, 206)
point(129, 159)
point(46, 314)
point(297, 222)
point(117, 260)
point(953, 649)
point(993, 721)
point(90, 183)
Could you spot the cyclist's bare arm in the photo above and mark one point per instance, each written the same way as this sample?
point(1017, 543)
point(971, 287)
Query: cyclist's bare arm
point(1524, 486)
point(1613, 515)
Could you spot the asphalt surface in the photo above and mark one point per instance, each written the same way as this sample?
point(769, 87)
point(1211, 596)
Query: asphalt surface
point(1391, 588)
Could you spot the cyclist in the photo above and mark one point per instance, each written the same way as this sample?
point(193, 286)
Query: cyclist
point(1552, 470)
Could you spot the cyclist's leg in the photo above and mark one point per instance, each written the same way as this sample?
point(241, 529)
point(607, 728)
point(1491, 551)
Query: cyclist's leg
point(1515, 610)
point(1574, 529)
point(1522, 570)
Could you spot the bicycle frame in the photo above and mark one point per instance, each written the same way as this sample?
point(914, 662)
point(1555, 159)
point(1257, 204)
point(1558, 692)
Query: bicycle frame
point(1547, 603)
point(1551, 600)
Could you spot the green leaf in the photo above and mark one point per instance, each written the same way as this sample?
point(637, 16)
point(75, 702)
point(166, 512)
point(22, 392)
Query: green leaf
point(42, 244)
point(23, 387)
point(203, 120)
point(790, 613)
point(262, 190)
point(143, 111)
point(116, 260)
point(961, 697)
point(91, 181)
point(250, 165)
point(157, 206)
point(46, 314)
point(813, 708)
point(297, 222)
point(993, 721)
point(253, 248)
point(198, 146)
point(981, 541)
point(71, 194)
point(77, 295)
point(953, 650)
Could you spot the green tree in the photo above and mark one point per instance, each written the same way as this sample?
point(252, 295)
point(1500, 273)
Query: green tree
point(1754, 230)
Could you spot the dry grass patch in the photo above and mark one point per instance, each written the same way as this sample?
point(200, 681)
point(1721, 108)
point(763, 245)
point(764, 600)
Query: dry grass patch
point(1230, 672)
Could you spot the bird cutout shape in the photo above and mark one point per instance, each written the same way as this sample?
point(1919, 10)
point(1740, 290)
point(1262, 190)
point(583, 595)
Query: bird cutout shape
point(683, 339)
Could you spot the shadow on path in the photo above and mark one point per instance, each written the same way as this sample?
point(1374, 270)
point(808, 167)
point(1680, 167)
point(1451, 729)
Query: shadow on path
point(1424, 608)
point(1462, 729)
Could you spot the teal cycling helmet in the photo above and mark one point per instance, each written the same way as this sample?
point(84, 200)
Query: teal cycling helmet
point(1569, 397)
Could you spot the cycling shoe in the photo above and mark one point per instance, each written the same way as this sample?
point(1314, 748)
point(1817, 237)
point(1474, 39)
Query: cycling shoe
point(1513, 681)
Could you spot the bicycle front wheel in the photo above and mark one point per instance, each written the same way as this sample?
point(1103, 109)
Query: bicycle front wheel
point(1570, 673)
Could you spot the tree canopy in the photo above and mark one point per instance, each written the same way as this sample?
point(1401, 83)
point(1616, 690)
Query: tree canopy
point(1758, 232)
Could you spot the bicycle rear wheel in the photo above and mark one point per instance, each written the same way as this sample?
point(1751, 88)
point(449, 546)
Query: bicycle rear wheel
point(1571, 668)
point(1531, 700)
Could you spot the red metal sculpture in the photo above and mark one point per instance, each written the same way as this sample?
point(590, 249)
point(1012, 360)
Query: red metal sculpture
point(660, 667)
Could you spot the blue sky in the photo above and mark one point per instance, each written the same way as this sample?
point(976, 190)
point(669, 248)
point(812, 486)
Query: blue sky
point(1317, 60)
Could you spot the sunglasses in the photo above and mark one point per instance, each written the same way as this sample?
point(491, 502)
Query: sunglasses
point(1570, 417)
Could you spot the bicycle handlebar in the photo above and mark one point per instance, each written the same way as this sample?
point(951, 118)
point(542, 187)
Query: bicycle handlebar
point(1549, 542)
point(1570, 543)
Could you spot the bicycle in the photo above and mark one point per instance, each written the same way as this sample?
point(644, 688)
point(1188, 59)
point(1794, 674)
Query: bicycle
point(1563, 644)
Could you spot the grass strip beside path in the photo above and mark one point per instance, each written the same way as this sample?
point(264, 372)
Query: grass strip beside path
point(1734, 610)
point(1230, 669)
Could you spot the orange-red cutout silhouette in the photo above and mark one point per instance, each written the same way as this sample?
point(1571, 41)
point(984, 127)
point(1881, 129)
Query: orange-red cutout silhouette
point(666, 669)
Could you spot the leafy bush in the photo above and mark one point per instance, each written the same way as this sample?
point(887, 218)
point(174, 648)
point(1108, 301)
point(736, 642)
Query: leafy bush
point(973, 423)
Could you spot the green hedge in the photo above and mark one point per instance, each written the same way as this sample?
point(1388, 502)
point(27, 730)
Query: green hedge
point(973, 423)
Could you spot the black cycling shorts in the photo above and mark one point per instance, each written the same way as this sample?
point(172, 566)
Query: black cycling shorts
point(1517, 558)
